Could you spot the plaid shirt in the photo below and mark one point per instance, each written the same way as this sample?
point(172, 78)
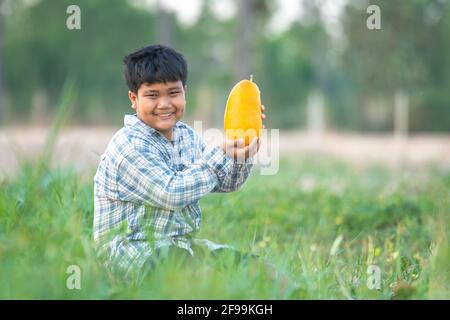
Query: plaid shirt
point(147, 190)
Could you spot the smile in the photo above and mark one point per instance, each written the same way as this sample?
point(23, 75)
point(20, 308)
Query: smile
point(166, 116)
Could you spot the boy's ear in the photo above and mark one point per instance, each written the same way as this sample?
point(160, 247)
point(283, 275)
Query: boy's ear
point(185, 88)
point(133, 97)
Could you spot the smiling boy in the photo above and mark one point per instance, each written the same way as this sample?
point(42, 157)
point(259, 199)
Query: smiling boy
point(156, 168)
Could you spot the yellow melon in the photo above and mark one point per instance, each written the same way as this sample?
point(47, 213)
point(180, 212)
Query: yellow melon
point(242, 119)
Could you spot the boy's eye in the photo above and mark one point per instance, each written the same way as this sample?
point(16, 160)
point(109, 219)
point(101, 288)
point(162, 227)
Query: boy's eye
point(174, 93)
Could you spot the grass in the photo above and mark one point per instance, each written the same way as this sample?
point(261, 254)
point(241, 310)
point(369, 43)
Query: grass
point(318, 221)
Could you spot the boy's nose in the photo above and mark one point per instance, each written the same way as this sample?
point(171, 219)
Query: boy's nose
point(163, 103)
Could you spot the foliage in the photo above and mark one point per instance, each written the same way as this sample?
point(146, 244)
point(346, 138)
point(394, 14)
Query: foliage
point(358, 73)
point(395, 220)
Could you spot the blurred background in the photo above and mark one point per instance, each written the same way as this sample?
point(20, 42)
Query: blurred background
point(364, 142)
point(328, 82)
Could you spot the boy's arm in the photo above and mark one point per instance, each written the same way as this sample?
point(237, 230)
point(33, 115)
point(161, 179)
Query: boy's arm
point(240, 170)
point(235, 178)
point(152, 181)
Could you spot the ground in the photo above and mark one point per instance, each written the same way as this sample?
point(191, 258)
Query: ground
point(325, 223)
point(82, 147)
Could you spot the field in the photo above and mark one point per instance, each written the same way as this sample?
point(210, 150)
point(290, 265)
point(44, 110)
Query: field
point(319, 221)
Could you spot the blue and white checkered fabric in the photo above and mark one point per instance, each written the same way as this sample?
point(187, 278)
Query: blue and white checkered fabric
point(147, 190)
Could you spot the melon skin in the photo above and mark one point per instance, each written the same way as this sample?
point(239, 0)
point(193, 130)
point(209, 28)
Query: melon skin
point(242, 119)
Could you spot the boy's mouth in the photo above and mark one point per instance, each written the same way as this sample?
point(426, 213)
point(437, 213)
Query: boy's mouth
point(165, 116)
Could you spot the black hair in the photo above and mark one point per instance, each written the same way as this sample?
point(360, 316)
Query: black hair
point(154, 64)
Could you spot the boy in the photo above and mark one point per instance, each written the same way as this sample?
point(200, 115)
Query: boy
point(156, 168)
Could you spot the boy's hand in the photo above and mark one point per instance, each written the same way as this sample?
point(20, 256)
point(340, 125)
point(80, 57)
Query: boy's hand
point(238, 151)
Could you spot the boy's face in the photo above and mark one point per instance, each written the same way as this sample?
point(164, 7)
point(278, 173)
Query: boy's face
point(160, 105)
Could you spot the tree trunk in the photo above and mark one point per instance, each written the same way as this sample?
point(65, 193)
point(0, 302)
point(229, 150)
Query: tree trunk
point(164, 27)
point(2, 48)
point(245, 32)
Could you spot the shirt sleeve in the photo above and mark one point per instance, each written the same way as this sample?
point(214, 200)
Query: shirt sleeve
point(235, 177)
point(151, 181)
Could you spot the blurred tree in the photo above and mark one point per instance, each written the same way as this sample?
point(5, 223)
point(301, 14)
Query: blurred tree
point(292, 64)
point(41, 52)
point(407, 54)
point(2, 90)
point(359, 81)
point(244, 40)
point(206, 46)
point(164, 25)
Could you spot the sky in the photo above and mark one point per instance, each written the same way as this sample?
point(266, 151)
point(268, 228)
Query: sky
point(188, 11)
